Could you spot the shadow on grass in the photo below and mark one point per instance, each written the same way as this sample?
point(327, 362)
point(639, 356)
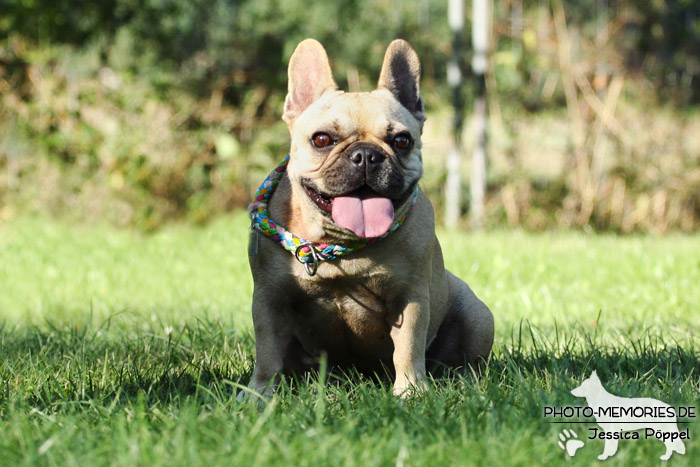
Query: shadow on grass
point(67, 367)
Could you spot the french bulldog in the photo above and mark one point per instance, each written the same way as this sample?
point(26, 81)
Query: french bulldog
point(354, 167)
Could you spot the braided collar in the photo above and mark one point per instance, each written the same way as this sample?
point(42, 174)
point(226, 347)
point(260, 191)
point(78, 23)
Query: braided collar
point(307, 253)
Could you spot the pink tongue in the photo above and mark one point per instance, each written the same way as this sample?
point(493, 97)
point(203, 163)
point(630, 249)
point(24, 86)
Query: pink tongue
point(366, 216)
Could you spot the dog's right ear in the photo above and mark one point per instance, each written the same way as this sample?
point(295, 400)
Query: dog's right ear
point(309, 77)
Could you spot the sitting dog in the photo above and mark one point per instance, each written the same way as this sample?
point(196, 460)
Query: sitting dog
point(343, 250)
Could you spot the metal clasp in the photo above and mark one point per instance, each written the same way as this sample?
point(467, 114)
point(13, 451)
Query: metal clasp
point(310, 266)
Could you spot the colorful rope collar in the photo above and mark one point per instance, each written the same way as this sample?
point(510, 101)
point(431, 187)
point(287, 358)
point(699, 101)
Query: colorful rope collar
point(307, 253)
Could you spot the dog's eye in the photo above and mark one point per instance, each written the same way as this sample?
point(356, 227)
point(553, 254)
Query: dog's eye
point(321, 140)
point(402, 141)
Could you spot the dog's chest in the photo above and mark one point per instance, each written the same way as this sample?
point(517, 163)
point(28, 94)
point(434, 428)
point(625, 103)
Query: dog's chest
point(346, 317)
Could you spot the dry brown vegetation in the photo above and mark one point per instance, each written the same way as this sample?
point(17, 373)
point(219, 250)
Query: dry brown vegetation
point(578, 136)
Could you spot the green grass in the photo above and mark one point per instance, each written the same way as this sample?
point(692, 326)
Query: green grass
point(120, 348)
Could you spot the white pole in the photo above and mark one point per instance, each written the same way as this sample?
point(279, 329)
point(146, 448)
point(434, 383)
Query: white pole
point(453, 184)
point(480, 11)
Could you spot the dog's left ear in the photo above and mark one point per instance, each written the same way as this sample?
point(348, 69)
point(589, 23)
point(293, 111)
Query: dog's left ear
point(401, 75)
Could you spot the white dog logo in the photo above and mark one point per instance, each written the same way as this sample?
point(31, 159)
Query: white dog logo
point(618, 415)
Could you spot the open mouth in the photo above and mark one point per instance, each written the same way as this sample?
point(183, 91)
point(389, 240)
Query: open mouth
point(363, 211)
point(324, 202)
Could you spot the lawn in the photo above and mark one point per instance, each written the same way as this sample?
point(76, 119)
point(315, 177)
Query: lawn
point(119, 348)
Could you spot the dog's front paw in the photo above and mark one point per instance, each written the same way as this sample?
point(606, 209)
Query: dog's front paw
point(405, 387)
point(258, 391)
point(243, 396)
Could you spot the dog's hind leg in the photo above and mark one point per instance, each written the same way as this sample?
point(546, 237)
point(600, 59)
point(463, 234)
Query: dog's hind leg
point(465, 337)
point(667, 455)
point(678, 446)
point(673, 446)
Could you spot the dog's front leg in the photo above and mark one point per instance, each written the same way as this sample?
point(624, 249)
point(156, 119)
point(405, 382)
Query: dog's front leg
point(409, 334)
point(273, 337)
point(609, 450)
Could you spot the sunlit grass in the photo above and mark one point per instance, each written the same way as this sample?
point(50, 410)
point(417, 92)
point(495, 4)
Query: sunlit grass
point(122, 348)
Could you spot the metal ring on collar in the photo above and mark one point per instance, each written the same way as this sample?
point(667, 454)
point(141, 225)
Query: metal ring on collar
point(310, 266)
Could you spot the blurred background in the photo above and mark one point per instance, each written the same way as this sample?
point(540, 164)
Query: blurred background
point(141, 112)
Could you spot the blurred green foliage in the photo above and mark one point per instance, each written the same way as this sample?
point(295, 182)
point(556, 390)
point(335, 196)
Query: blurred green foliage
point(143, 110)
point(203, 42)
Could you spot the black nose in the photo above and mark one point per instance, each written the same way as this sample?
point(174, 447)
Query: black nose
point(366, 155)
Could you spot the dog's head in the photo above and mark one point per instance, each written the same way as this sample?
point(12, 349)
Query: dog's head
point(355, 157)
point(588, 387)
